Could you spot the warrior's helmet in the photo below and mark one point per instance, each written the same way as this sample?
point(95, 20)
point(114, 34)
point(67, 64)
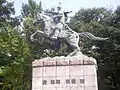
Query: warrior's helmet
point(59, 8)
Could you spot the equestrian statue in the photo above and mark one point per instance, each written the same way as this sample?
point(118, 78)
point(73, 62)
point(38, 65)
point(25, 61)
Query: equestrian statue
point(56, 29)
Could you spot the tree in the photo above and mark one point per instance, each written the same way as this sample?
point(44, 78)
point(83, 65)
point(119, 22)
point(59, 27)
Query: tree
point(14, 53)
point(6, 10)
point(101, 22)
point(31, 9)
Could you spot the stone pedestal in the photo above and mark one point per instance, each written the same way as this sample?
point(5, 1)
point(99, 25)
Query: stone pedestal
point(65, 73)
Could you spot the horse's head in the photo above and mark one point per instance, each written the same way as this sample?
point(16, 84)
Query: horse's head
point(38, 20)
point(41, 18)
point(45, 20)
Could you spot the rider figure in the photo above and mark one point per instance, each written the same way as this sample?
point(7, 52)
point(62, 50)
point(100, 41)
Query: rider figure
point(59, 18)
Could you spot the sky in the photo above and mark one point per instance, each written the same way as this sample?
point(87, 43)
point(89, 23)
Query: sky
point(70, 5)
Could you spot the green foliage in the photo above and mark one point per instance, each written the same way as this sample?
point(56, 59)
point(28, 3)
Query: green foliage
point(13, 77)
point(6, 9)
point(14, 53)
point(104, 23)
point(31, 9)
point(12, 46)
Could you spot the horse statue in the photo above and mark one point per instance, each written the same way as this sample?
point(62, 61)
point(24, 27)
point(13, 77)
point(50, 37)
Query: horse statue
point(65, 34)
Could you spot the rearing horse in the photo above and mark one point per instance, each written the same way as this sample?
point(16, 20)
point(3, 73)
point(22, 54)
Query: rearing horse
point(66, 34)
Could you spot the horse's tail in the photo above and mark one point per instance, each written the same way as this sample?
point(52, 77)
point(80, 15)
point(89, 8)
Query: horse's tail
point(91, 36)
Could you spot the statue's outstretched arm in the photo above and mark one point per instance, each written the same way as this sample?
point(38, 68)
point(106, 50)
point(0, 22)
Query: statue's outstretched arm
point(54, 13)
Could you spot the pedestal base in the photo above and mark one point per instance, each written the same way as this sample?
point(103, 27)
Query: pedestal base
point(65, 73)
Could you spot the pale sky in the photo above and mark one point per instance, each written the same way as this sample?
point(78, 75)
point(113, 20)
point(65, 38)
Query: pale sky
point(70, 5)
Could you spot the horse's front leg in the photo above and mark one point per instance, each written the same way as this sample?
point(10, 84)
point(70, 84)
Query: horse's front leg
point(32, 36)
